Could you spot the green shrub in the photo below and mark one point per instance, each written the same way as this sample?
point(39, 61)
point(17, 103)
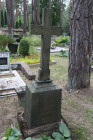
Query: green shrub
point(4, 41)
point(5, 26)
point(24, 47)
point(62, 39)
point(63, 53)
point(34, 40)
point(20, 37)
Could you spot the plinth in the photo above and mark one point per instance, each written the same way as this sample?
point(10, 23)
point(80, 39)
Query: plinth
point(42, 109)
point(43, 104)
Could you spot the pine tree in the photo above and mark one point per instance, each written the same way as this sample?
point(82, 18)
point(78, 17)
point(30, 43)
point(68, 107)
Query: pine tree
point(81, 44)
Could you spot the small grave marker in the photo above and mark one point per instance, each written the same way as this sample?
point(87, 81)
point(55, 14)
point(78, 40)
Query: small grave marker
point(4, 61)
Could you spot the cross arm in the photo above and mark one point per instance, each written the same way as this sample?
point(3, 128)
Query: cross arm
point(36, 29)
point(56, 30)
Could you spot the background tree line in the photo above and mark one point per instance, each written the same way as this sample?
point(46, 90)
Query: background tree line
point(24, 12)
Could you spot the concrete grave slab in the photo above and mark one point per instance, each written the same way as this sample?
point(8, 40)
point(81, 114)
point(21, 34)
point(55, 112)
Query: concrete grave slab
point(56, 50)
point(11, 83)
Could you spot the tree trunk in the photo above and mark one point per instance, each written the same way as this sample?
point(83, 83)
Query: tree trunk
point(38, 12)
point(61, 12)
point(50, 4)
point(24, 30)
point(32, 11)
point(35, 12)
point(0, 13)
point(10, 16)
point(81, 44)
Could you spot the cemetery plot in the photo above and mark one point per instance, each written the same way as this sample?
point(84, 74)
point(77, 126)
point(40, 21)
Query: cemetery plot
point(10, 82)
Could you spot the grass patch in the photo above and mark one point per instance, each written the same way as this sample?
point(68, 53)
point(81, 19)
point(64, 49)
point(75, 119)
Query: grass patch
point(81, 134)
point(60, 70)
point(89, 115)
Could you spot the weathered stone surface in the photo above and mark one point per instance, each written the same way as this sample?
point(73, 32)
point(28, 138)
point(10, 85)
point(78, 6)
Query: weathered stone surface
point(25, 69)
point(46, 30)
point(38, 131)
point(11, 83)
point(43, 104)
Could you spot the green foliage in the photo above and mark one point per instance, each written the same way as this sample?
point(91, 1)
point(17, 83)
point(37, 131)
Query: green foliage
point(63, 134)
point(12, 134)
point(26, 59)
point(55, 4)
point(63, 53)
point(20, 37)
point(5, 40)
point(34, 40)
point(24, 47)
point(62, 39)
point(5, 26)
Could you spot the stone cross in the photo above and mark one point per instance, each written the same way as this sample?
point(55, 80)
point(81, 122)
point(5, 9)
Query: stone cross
point(46, 30)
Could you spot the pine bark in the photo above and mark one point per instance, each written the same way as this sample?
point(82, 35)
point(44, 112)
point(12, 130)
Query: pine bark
point(81, 44)
point(10, 16)
point(50, 4)
point(35, 16)
point(0, 13)
point(38, 12)
point(25, 17)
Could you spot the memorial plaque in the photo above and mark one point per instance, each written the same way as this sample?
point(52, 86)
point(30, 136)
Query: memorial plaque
point(4, 61)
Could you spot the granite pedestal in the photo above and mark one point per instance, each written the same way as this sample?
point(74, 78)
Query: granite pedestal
point(43, 104)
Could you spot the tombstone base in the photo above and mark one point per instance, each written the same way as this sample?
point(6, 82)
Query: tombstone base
point(42, 104)
point(36, 132)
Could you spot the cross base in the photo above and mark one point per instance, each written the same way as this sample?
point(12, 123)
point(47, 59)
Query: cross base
point(43, 75)
point(36, 132)
point(45, 81)
point(43, 104)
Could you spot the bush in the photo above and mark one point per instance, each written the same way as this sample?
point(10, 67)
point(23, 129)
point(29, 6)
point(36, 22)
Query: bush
point(34, 40)
point(4, 41)
point(24, 47)
point(62, 39)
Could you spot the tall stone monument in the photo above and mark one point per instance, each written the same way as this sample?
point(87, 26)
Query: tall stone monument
point(43, 97)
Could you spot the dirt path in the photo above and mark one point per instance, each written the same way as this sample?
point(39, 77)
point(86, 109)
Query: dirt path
point(77, 106)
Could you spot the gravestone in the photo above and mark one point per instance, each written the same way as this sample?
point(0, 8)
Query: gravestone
point(43, 97)
point(4, 61)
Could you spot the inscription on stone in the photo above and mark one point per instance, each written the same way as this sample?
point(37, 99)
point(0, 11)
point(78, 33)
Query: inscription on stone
point(3, 61)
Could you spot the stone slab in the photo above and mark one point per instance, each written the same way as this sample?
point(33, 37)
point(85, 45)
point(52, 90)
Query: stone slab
point(36, 132)
point(43, 104)
point(10, 82)
point(25, 69)
point(56, 50)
